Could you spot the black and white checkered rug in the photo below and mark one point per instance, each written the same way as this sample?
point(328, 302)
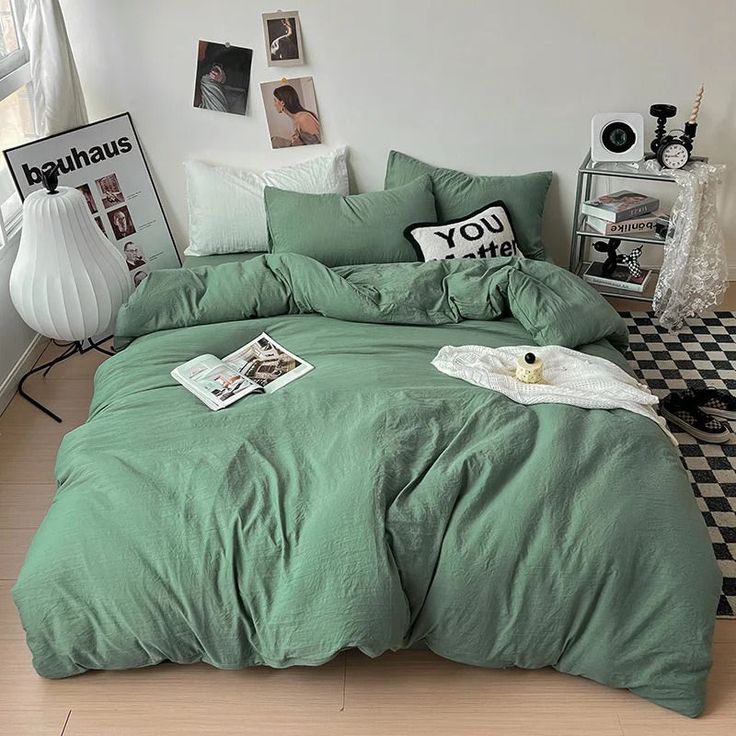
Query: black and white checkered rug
point(703, 354)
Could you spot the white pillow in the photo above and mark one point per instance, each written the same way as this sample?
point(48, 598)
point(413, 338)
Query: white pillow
point(226, 210)
point(485, 233)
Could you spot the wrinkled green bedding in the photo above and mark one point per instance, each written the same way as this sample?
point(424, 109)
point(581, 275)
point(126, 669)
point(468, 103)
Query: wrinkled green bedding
point(218, 259)
point(374, 503)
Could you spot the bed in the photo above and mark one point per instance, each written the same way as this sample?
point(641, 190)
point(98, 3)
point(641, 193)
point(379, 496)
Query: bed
point(374, 503)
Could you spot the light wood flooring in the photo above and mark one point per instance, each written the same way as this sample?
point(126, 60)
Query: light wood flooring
point(403, 693)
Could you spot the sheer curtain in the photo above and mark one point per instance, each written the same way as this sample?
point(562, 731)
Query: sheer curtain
point(58, 100)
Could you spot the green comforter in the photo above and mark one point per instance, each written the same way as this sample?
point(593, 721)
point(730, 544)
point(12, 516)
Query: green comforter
point(374, 503)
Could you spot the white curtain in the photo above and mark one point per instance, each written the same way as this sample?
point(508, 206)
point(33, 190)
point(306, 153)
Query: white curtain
point(58, 100)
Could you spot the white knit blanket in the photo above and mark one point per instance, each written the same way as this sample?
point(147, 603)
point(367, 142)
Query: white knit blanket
point(570, 378)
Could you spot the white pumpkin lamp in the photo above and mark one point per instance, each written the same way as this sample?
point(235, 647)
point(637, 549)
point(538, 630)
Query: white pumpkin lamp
point(68, 280)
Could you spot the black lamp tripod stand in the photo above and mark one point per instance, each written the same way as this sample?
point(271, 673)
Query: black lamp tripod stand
point(74, 348)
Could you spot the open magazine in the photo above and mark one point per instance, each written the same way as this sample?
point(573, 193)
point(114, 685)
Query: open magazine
point(261, 366)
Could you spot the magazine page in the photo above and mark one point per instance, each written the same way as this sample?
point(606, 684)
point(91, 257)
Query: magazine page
point(267, 363)
point(213, 381)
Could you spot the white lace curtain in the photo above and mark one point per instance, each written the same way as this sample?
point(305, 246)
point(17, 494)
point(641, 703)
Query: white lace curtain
point(694, 275)
point(58, 100)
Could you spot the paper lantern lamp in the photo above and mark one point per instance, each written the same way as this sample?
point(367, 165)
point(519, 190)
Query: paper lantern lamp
point(68, 280)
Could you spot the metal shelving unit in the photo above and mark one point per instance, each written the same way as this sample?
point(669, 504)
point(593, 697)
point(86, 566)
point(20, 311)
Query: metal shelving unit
point(582, 235)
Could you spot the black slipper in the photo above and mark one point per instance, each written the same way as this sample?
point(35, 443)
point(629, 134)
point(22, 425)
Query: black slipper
point(680, 409)
point(717, 403)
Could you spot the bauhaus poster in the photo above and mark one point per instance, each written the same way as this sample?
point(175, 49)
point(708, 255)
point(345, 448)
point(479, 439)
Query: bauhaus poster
point(105, 163)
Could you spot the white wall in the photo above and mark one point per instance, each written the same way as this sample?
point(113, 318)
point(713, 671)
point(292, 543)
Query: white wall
point(15, 335)
point(19, 345)
point(487, 87)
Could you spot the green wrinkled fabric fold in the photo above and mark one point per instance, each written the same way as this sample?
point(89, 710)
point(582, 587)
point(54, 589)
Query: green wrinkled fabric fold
point(554, 306)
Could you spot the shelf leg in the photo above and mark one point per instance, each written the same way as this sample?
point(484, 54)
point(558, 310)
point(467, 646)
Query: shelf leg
point(575, 240)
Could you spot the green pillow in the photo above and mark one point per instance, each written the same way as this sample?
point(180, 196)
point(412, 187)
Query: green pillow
point(457, 194)
point(346, 231)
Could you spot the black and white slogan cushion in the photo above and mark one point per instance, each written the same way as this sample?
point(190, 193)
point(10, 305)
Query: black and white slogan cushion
point(485, 233)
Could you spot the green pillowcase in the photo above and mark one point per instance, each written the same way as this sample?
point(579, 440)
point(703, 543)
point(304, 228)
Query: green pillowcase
point(346, 231)
point(457, 194)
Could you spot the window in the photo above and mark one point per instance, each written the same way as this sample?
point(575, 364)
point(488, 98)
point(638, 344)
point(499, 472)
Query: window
point(16, 112)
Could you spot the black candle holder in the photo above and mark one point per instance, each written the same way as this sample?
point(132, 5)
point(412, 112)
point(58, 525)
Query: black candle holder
point(663, 113)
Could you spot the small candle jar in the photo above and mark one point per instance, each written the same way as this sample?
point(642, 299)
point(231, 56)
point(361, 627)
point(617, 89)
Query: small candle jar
point(529, 369)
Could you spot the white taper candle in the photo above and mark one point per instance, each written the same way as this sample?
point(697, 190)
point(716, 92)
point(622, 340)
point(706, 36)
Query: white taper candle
point(696, 105)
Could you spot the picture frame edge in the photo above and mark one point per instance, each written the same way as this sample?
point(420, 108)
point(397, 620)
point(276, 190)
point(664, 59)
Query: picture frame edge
point(90, 124)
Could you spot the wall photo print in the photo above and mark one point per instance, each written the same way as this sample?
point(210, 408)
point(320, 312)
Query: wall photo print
point(283, 35)
point(222, 78)
point(291, 112)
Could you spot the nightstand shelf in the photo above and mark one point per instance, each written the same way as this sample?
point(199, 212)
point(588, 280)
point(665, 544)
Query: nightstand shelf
point(584, 231)
point(582, 236)
point(609, 291)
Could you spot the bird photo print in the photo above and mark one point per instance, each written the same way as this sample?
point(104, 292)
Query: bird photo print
point(283, 38)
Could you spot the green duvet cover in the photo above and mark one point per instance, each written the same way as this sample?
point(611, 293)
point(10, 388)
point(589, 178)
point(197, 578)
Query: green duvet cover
point(374, 503)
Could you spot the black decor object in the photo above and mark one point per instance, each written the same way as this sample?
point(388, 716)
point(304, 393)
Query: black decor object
point(530, 358)
point(631, 261)
point(614, 258)
point(673, 151)
point(50, 178)
point(663, 113)
point(610, 248)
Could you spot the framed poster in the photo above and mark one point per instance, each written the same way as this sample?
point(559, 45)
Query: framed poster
point(104, 161)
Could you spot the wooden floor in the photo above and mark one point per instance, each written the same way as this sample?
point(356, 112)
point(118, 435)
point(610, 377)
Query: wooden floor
point(404, 693)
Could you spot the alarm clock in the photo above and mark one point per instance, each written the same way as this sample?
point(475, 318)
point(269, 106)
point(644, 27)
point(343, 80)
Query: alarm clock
point(673, 154)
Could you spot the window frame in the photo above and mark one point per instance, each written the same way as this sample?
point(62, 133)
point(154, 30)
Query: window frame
point(15, 73)
point(16, 59)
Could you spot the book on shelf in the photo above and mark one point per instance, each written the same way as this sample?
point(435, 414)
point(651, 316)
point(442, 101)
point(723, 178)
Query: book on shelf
point(646, 225)
point(618, 206)
point(621, 278)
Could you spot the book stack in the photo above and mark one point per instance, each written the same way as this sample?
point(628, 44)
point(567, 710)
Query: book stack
point(621, 212)
point(617, 215)
point(649, 225)
point(621, 278)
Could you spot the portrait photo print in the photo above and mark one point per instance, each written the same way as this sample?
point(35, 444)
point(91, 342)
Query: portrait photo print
point(133, 257)
point(87, 192)
point(222, 77)
point(121, 223)
point(139, 277)
point(110, 191)
point(283, 35)
point(291, 112)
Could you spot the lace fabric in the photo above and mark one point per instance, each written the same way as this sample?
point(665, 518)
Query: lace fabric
point(694, 274)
